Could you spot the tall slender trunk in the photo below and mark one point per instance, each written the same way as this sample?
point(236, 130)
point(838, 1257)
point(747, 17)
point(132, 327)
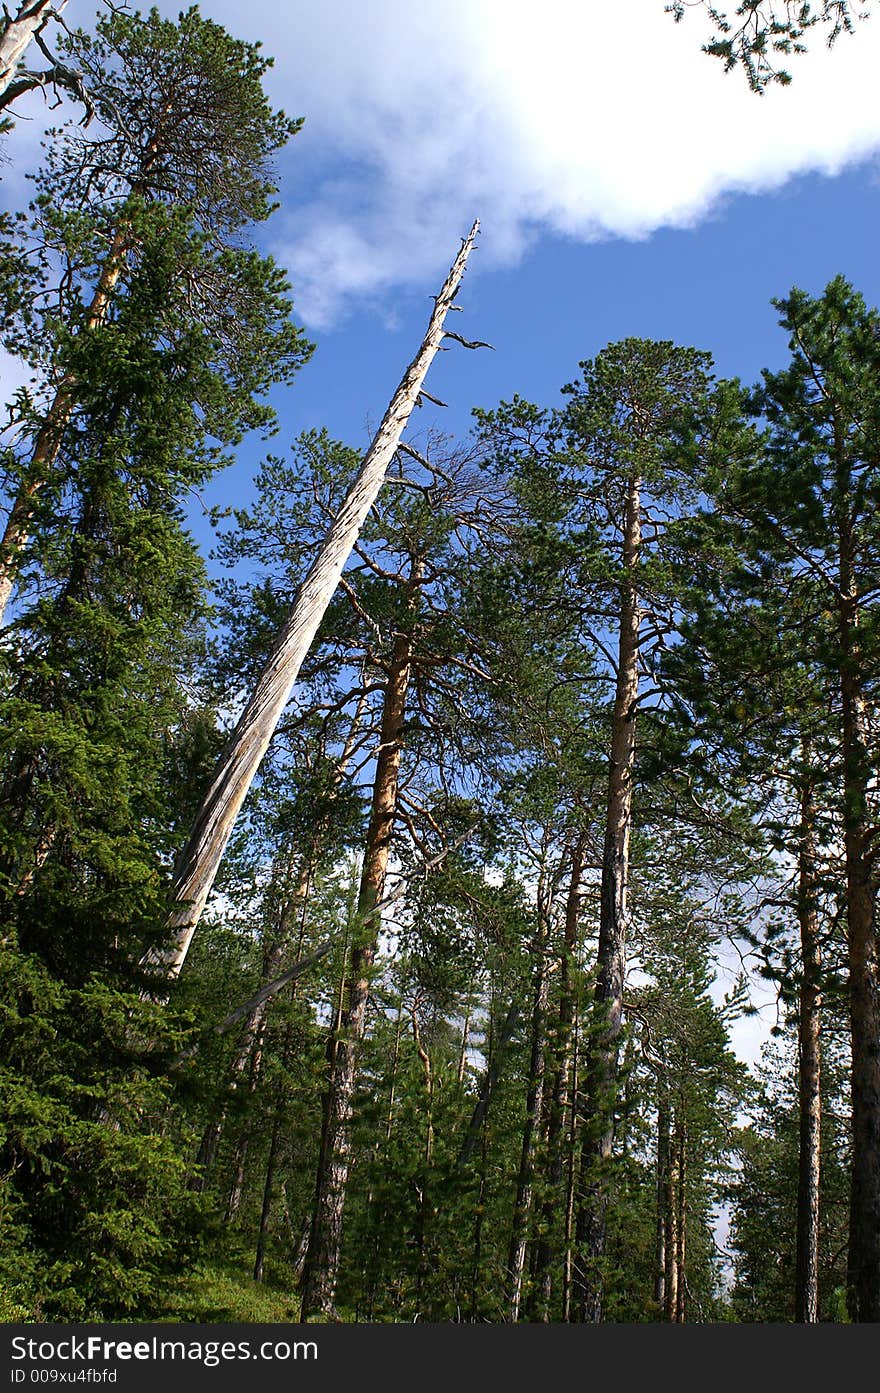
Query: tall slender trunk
point(424, 1190)
point(534, 1104)
point(809, 1070)
point(670, 1233)
point(662, 1195)
point(571, 1179)
point(268, 1189)
point(560, 1095)
point(611, 959)
point(322, 1261)
point(863, 1259)
point(198, 862)
point(479, 1127)
point(680, 1143)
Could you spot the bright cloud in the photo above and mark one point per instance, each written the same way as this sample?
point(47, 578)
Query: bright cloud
point(586, 118)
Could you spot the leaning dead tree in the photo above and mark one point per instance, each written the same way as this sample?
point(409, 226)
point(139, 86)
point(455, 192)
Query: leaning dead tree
point(198, 862)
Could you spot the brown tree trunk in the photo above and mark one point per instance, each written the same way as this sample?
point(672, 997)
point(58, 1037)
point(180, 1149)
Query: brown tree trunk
point(571, 1179)
point(809, 1072)
point(660, 1260)
point(681, 1224)
point(670, 1238)
point(424, 1189)
point(534, 1104)
point(611, 958)
point(863, 1263)
point(560, 1093)
point(322, 1260)
point(199, 860)
point(268, 1190)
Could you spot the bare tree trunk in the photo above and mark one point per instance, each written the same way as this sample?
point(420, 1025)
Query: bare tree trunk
point(465, 1035)
point(424, 1195)
point(603, 1051)
point(534, 1103)
point(561, 1094)
point(809, 1072)
point(322, 1261)
point(662, 1197)
point(670, 1244)
point(19, 31)
point(479, 1128)
point(681, 1224)
point(863, 1260)
point(571, 1176)
point(198, 861)
point(268, 1189)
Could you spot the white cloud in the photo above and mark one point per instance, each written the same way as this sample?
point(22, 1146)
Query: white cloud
point(587, 118)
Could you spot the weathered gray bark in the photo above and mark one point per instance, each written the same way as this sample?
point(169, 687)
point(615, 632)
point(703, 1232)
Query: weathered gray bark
point(18, 33)
point(601, 1067)
point(809, 1072)
point(199, 860)
point(334, 1161)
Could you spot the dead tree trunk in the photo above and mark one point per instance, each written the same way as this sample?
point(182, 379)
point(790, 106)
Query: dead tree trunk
point(199, 860)
point(601, 1071)
point(809, 1072)
point(322, 1261)
point(18, 33)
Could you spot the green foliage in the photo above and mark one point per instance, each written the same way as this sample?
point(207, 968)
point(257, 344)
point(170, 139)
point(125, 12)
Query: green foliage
point(757, 35)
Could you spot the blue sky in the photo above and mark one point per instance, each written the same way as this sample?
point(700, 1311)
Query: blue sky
point(625, 185)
